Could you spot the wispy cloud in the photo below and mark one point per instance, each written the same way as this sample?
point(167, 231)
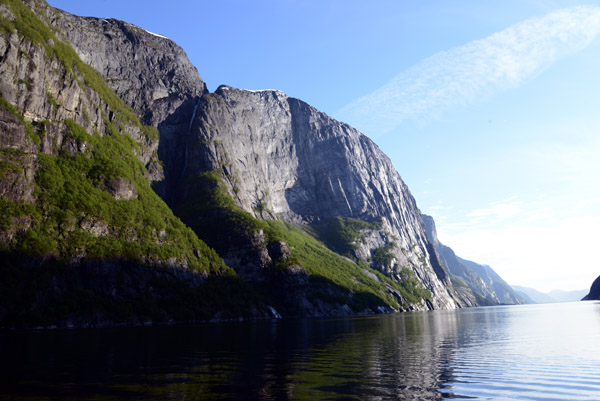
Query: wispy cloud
point(476, 70)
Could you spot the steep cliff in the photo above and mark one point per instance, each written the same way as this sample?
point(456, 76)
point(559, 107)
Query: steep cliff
point(310, 214)
point(149, 72)
point(281, 159)
point(483, 285)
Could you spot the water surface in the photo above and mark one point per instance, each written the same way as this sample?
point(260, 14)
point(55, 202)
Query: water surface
point(533, 352)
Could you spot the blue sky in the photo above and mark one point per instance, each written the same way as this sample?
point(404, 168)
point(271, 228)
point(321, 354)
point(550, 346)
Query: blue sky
point(488, 109)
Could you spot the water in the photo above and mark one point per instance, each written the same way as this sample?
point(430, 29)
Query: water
point(534, 352)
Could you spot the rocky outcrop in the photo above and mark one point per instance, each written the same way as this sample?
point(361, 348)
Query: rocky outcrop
point(485, 286)
point(283, 159)
point(148, 71)
point(594, 293)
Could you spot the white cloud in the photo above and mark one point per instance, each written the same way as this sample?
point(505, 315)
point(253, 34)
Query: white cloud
point(499, 210)
point(478, 69)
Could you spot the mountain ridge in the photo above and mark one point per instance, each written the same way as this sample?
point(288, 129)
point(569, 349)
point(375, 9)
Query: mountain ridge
point(552, 296)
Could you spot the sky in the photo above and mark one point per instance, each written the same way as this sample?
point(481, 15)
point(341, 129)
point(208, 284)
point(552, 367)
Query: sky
point(489, 110)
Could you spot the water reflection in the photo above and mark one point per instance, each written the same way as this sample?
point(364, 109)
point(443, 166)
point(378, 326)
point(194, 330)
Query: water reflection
point(535, 352)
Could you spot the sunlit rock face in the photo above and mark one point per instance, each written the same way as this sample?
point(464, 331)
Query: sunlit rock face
point(282, 158)
point(149, 72)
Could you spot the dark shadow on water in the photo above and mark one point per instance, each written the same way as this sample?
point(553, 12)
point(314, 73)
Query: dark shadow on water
point(294, 359)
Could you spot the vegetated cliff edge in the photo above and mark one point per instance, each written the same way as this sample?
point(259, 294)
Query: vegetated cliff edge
point(477, 284)
point(272, 184)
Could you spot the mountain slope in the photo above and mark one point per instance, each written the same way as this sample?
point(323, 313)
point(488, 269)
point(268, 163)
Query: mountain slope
point(486, 286)
point(594, 291)
point(506, 295)
point(552, 296)
point(537, 296)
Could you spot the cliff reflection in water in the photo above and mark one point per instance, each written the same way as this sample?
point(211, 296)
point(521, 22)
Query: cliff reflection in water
point(505, 352)
point(377, 355)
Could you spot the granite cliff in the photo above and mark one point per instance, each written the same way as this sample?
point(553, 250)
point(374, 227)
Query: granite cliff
point(293, 213)
point(281, 159)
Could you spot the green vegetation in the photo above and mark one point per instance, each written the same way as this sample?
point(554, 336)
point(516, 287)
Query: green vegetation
point(413, 286)
point(344, 234)
point(215, 217)
point(324, 265)
point(75, 213)
point(30, 26)
point(52, 100)
point(71, 192)
point(382, 257)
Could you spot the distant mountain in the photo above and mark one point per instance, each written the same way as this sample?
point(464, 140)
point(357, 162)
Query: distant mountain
point(535, 295)
point(485, 286)
point(594, 291)
point(568, 296)
point(524, 296)
point(505, 293)
point(552, 296)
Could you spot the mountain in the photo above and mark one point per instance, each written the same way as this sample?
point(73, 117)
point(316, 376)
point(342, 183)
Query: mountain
point(278, 159)
point(568, 296)
point(129, 193)
point(477, 284)
point(594, 291)
point(535, 295)
point(523, 294)
point(552, 296)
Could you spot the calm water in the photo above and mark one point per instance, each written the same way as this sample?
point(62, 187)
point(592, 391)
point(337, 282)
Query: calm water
point(538, 352)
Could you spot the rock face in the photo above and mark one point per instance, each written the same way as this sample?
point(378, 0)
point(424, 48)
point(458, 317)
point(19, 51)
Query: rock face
point(485, 285)
point(594, 293)
point(283, 159)
point(148, 71)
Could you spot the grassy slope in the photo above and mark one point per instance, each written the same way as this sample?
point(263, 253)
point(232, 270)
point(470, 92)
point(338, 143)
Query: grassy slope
point(212, 213)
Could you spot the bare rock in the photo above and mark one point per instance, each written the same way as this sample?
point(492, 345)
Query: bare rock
point(122, 189)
